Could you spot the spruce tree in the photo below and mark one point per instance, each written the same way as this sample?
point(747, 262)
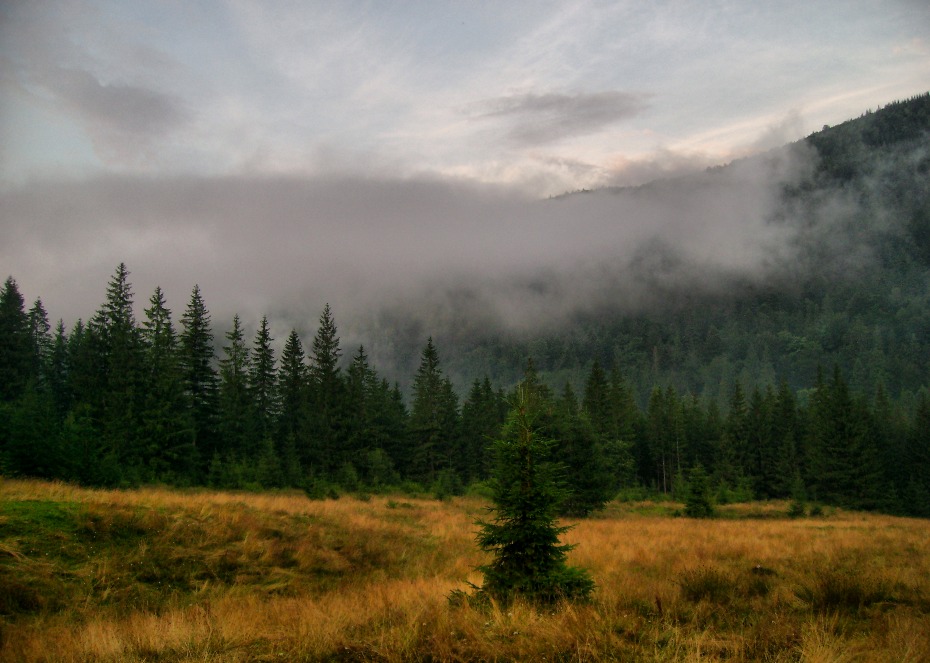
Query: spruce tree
point(523, 536)
point(236, 411)
point(762, 457)
point(168, 433)
point(588, 484)
point(786, 428)
point(915, 486)
point(327, 392)
point(58, 376)
point(597, 402)
point(844, 464)
point(114, 326)
point(262, 381)
point(86, 384)
point(734, 442)
point(15, 346)
point(199, 375)
point(41, 341)
point(659, 439)
point(433, 417)
point(483, 414)
point(293, 443)
point(361, 427)
point(698, 501)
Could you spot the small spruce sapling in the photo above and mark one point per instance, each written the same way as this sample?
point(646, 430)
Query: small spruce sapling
point(523, 535)
point(698, 503)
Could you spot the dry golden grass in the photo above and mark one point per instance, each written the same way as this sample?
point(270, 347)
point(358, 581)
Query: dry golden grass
point(279, 577)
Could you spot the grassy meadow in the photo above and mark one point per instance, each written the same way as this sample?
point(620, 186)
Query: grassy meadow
point(164, 575)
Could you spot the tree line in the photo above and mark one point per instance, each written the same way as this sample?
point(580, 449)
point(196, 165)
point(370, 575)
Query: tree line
point(118, 402)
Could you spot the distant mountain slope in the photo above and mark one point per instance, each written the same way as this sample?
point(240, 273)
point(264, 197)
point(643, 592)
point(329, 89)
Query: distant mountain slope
point(848, 282)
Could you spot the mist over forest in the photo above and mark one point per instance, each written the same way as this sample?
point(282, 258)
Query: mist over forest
point(470, 263)
point(789, 286)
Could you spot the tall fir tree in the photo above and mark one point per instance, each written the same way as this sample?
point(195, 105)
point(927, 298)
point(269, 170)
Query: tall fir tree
point(578, 450)
point(761, 451)
point(169, 449)
point(483, 414)
point(596, 402)
point(293, 441)
point(237, 421)
point(361, 385)
point(327, 391)
point(844, 465)
point(41, 341)
point(786, 433)
point(199, 375)
point(915, 482)
point(80, 435)
point(433, 416)
point(659, 441)
point(262, 381)
point(59, 370)
point(15, 346)
point(732, 453)
point(114, 326)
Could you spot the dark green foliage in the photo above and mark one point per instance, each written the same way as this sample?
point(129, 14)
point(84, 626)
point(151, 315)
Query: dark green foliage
point(237, 413)
point(59, 367)
point(844, 465)
point(698, 500)
point(663, 437)
point(374, 426)
point(261, 383)
point(293, 402)
point(609, 408)
point(483, 414)
point(118, 381)
point(798, 506)
point(579, 451)
point(327, 397)
point(198, 374)
point(168, 449)
point(42, 343)
point(523, 535)
point(434, 419)
point(15, 347)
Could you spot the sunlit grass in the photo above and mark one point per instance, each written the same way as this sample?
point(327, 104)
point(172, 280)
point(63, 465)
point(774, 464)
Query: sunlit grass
point(157, 574)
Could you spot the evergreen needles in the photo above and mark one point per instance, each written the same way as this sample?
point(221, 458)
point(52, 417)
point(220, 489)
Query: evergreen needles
point(523, 535)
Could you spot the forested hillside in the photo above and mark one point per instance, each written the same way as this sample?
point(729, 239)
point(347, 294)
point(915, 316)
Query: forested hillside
point(811, 383)
point(853, 288)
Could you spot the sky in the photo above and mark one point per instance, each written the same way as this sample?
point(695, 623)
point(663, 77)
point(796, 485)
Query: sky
point(285, 154)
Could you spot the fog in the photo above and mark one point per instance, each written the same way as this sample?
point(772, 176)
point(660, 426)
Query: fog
point(429, 256)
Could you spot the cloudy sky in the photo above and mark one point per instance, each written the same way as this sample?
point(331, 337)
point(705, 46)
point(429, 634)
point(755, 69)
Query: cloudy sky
point(284, 151)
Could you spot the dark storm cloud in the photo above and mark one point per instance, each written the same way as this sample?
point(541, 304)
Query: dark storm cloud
point(534, 118)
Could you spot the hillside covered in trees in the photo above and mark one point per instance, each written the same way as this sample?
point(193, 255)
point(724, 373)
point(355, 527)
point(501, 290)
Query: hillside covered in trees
point(811, 383)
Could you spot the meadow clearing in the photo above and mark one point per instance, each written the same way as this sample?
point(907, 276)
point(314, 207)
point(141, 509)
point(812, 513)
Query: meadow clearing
point(166, 575)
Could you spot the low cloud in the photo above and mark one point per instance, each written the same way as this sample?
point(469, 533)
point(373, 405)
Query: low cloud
point(445, 257)
point(540, 118)
point(662, 164)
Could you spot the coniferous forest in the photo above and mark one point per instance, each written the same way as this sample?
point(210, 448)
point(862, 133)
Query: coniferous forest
point(815, 392)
